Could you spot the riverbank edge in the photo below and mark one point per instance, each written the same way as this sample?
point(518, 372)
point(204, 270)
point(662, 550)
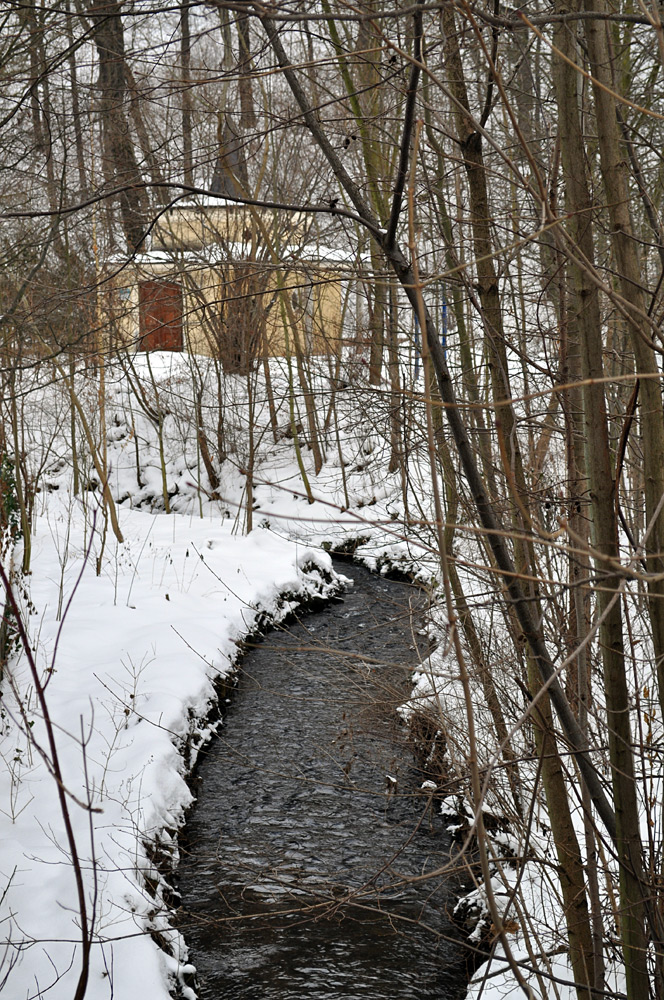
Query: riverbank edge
point(319, 588)
point(165, 856)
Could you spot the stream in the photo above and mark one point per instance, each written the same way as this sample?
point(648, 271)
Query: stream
point(298, 858)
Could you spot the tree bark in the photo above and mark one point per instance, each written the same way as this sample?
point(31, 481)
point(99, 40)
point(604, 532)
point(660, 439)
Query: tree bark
point(630, 276)
point(185, 56)
point(604, 523)
point(119, 154)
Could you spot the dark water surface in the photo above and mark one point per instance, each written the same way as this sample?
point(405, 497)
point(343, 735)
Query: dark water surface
point(296, 859)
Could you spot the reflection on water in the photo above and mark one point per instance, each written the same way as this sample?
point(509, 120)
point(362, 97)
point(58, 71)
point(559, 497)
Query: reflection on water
point(298, 860)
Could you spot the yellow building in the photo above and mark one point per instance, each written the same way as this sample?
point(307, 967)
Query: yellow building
point(231, 282)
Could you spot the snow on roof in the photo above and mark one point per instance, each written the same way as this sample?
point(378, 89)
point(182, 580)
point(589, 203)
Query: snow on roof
point(291, 255)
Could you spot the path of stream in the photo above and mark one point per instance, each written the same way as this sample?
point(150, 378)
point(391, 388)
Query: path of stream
point(310, 821)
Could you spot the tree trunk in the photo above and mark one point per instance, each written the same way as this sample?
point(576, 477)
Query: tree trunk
point(185, 57)
point(119, 154)
point(605, 532)
point(630, 277)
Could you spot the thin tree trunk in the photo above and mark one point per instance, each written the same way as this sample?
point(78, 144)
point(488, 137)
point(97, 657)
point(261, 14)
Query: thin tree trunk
point(203, 444)
point(185, 57)
point(75, 103)
point(482, 667)
point(396, 430)
point(625, 248)
point(579, 574)
point(245, 70)
point(605, 533)
point(471, 388)
point(366, 109)
point(150, 160)
point(470, 142)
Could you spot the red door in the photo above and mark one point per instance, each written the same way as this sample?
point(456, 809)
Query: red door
point(160, 316)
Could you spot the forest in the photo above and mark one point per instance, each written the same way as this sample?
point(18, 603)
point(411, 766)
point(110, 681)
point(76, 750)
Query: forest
point(372, 278)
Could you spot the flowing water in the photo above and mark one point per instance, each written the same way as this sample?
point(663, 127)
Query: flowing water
point(302, 860)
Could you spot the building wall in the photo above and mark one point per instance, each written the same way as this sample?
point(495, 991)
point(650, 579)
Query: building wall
point(194, 227)
point(235, 311)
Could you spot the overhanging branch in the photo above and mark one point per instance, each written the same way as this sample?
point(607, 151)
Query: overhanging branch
point(486, 513)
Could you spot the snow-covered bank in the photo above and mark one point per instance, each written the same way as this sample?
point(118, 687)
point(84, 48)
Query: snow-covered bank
point(128, 688)
point(138, 647)
point(132, 682)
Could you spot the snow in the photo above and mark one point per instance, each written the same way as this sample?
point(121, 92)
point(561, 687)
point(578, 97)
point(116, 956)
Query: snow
point(218, 254)
point(130, 658)
point(129, 687)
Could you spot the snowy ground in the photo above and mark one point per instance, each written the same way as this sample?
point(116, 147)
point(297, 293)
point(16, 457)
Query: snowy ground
point(130, 655)
point(129, 686)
